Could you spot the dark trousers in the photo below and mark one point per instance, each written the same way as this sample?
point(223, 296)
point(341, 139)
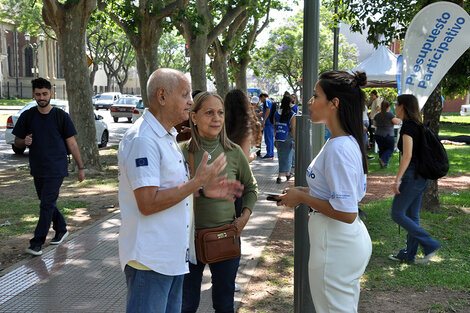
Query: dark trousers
point(223, 286)
point(48, 192)
point(386, 146)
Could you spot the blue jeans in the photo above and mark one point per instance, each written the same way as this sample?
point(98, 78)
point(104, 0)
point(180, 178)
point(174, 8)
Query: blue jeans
point(223, 286)
point(285, 154)
point(149, 291)
point(405, 212)
point(386, 146)
point(269, 139)
point(47, 190)
point(366, 137)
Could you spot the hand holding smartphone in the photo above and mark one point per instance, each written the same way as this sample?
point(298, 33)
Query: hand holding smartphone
point(273, 196)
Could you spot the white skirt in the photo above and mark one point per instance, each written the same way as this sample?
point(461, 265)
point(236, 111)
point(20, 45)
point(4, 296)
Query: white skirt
point(339, 254)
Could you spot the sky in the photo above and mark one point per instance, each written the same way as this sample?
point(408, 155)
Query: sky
point(277, 16)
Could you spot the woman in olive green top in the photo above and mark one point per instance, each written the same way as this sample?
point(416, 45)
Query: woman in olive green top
point(208, 134)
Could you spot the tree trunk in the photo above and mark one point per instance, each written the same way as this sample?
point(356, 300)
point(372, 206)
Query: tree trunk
point(219, 67)
point(146, 54)
point(432, 112)
point(197, 63)
point(240, 74)
point(69, 22)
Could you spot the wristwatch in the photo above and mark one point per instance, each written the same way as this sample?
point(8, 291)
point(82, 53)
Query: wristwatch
point(201, 192)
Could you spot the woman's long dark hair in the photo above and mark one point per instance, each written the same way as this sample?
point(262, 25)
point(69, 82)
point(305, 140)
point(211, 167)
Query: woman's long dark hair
point(347, 88)
point(238, 119)
point(286, 109)
point(410, 108)
point(384, 107)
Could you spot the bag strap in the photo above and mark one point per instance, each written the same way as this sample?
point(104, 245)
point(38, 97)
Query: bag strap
point(191, 172)
point(191, 164)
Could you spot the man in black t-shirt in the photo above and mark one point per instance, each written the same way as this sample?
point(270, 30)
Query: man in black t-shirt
point(48, 140)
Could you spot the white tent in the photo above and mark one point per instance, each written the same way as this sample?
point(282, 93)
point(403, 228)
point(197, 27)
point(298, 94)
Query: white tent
point(380, 67)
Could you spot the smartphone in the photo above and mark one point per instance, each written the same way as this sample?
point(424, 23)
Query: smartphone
point(272, 196)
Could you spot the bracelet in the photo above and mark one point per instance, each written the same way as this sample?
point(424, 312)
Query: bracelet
point(397, 183)
point(81, 168)
point(201, 192)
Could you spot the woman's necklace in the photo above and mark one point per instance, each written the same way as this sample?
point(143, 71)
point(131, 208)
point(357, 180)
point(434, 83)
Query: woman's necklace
point(211, 151)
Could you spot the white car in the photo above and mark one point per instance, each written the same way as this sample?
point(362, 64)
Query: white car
point(465, 110)
point(102, 133)
point(124, 107)
point(138, 111)
point(106, 100)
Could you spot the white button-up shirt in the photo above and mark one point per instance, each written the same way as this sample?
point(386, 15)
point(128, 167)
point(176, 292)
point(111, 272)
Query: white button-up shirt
point(149, 156)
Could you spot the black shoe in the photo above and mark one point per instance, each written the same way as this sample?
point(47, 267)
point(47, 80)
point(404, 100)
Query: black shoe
point(278, 180)
point(370, 157)
point(288, 177)
point(397, 259)
point(59, 238)
point(268, 157)
point(34, 250)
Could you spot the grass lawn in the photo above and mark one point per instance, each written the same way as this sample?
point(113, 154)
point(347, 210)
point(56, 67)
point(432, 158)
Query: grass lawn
point(450, 269)
point(454, 118)
point(18, 102)
point(22, 214)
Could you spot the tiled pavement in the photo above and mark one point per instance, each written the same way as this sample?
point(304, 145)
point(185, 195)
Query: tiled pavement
point(83, 274)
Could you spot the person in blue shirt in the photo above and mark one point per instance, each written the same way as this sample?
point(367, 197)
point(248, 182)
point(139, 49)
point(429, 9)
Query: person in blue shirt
point(48, 140)
point(294, 106)
point(284, 125)
point(268, 127)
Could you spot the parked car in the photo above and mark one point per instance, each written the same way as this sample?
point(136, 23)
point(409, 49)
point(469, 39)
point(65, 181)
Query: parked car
point(138, 111)
point(465, 110)
point(106, 100)
point(94, 98)
point(102, 133)
point(124, 107)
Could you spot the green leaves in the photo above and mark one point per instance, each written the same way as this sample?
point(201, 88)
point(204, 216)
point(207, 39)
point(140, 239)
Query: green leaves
point(282, 56)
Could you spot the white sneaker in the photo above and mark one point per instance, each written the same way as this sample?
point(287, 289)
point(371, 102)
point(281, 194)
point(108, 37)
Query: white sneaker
point(426, 258)
point(36, 251)
point(59, 238)
point(237, 287)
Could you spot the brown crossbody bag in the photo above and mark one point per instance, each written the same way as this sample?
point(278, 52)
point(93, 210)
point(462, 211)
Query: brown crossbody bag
point(215, 244)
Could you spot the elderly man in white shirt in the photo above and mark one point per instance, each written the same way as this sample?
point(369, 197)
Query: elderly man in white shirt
point(155, 198)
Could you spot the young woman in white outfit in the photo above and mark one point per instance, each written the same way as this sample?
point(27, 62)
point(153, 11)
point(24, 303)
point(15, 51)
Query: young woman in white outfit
point(340, 246)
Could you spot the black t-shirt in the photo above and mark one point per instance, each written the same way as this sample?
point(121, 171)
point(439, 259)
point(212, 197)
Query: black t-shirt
point(47, 153)
point(413, 130)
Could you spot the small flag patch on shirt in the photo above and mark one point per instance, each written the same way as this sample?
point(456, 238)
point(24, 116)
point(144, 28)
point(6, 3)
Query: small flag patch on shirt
point(141, 162)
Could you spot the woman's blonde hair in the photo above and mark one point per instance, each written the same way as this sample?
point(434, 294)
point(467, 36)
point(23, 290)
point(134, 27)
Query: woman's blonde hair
point(194, 144)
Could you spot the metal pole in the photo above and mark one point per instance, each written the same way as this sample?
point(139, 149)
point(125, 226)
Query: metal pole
point(336, 39)
point(303, 155)
point(15, 39)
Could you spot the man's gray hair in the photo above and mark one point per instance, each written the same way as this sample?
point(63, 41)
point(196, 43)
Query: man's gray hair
point(165, 78)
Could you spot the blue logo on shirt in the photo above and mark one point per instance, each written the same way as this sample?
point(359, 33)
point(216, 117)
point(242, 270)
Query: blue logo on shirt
point(310, 173)
point(339, 196)
point(141, 162)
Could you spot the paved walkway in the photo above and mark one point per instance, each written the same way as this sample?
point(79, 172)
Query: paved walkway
point(83, 274)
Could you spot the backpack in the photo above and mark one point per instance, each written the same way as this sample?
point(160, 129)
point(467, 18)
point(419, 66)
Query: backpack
point(60, 116)
point(433, 162)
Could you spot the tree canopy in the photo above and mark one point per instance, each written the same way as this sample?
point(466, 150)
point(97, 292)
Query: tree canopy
point(386, 20)
point(282, 55)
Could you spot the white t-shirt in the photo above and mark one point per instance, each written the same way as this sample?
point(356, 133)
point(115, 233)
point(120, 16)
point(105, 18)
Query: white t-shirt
point(365, 116)
point(149, 156)
point(375, 107)
point(336, 174)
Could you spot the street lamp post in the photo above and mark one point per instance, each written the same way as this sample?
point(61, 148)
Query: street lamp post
point(35, 47)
